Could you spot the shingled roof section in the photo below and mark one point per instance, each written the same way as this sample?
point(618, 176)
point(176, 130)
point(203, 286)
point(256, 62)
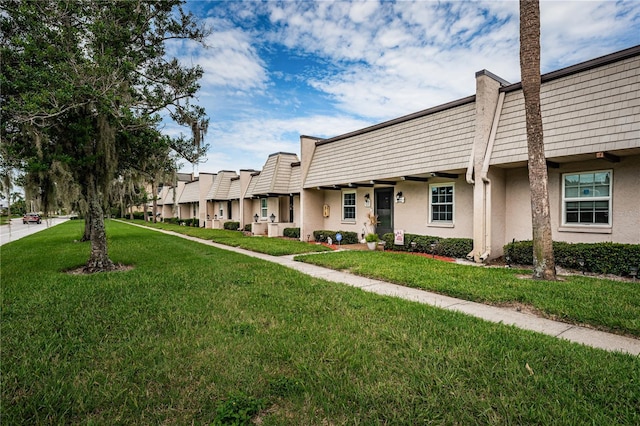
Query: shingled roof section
point(255, 177)
point(276, 176)
point(221, 185)
point(234, 188)
point(190, 193)
point(295, 182)
point(166, 197)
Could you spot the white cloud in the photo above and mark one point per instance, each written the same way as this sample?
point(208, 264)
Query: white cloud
point(230, 58)
point(248, 143)
point(383, 60)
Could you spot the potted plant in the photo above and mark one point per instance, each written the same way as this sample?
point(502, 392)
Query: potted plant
point(372, 240)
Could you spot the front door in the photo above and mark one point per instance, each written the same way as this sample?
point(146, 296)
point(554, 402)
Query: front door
point(383, 203)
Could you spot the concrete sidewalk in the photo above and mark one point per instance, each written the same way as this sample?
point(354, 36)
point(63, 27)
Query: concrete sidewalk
point(526, 321)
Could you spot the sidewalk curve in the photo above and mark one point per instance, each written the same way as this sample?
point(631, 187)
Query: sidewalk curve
point(523, 320)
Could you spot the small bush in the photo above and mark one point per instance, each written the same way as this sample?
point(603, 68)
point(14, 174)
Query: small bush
point(291, 232)
point(450, 247)
point(231, 226)
point(601, 258)
point(247, 227)
point(347, 237)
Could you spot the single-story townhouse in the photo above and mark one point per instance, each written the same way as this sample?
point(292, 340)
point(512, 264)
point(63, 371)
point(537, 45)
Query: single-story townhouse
point(460, 169)
point(272, 199)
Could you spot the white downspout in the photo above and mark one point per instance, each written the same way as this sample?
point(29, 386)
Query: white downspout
point(470, 181)
point(487, 182)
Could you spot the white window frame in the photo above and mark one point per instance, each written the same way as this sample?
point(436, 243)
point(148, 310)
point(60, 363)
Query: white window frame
point(264, 208)
point(220, 210)
point(607, 198)
point(350, 205)
point(453, 203)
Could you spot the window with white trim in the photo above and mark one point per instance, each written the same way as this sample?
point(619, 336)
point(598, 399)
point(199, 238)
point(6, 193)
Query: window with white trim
point(263, 208)
point(220, 210)
point(441, 203)
point(586, 198)
point(349, 206)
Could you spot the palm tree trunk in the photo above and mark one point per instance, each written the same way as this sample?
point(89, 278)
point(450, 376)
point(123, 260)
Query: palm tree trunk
point(543, 261)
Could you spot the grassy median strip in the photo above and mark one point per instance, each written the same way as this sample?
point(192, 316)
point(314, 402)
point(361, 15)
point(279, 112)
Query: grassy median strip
point(606, 304)
point(272, 246)
point(194, 334)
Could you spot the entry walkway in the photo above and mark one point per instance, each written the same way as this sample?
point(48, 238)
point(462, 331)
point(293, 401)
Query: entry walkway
point(573, 333)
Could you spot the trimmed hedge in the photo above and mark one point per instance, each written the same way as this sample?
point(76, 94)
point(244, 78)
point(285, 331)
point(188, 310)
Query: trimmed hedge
point(347, 237)
point(601, 258)
point(247, 227)
point(449, 247)
point(231, 225)
point(291, 232)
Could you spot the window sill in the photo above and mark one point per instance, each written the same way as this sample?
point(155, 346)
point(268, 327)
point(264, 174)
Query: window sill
point(440, 225)
point(348, 222)
point(587, 229)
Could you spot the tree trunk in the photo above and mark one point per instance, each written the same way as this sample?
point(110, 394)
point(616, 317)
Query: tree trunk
point(543, 261)
point(154, 191)
point(99, 259)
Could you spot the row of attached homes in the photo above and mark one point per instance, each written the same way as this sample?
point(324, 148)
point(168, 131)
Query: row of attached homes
point(454, 170)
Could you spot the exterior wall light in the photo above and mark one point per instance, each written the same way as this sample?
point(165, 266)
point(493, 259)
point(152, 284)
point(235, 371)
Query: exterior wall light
point(255, 217)
point(272, 217)
point(399, 197)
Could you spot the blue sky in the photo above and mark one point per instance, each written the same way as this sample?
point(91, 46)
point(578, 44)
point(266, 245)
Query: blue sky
point(276, 70)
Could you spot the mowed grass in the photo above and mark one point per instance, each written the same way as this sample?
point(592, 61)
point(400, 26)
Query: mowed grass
point(194, 334)
point(272, 246)
point(606, 304)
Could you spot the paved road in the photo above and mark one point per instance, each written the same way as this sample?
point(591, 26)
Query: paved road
point(17, 229)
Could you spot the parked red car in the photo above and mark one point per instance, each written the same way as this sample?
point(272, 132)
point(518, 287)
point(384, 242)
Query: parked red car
point(31, 217)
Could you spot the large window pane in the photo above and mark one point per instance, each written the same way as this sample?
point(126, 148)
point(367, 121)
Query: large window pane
point(349, 206)
point(441, 203)
point(587, 197)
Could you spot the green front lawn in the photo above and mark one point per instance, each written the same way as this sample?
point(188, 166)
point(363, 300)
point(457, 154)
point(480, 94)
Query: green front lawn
point(272, 246)
point(606, 304)
point(194, 334)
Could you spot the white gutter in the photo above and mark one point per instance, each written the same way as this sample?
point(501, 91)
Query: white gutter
point(487, 182)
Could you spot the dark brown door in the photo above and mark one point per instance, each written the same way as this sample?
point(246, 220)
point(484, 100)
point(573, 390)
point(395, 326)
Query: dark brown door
point(383, 203)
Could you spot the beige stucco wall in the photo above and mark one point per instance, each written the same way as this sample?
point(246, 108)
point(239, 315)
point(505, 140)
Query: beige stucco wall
point(186, 211)
point(625, 206)
point(412, 216)
point(311, 201)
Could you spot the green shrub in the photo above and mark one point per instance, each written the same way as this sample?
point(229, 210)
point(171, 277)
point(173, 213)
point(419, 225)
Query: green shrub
point(601, 258)
point(450, 247)
point(347, 237)
point(247, 227)
point(455, 247)
point(291, 232)
point(231, 225)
